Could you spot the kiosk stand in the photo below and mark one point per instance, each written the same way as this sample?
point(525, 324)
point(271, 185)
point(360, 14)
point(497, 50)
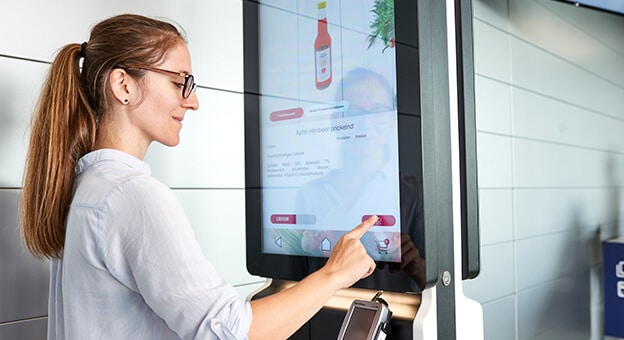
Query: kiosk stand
point(361, 107)
point(328, 322)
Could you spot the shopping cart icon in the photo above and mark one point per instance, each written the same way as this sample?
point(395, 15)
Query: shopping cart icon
point(382, 245)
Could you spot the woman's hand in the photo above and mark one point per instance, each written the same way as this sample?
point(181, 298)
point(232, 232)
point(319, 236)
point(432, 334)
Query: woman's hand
point(349, 261)
point(279, 315)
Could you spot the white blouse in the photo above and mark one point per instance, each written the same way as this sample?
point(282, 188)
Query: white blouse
point(131, 267)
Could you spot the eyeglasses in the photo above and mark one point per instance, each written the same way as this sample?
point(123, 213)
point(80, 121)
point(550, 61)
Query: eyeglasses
point(189, 80)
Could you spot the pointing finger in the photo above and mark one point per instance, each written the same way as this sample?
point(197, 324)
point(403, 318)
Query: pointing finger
point(363, 227)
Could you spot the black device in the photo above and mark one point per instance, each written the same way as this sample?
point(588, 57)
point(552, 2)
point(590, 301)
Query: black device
point(366, 320)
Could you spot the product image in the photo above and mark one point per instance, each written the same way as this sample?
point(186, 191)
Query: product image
point(322, 50)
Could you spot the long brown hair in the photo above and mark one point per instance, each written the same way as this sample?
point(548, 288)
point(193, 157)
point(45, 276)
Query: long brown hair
point(73, 100)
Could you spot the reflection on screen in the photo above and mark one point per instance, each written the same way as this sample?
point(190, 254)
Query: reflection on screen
point(329, 145)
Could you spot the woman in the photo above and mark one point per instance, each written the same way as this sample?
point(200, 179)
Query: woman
point(124, 261)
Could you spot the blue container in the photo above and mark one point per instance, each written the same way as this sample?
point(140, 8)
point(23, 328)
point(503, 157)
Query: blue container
point(613, 261)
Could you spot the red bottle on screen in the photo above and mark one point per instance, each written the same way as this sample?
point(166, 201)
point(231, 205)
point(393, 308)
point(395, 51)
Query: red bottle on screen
point(322, 50)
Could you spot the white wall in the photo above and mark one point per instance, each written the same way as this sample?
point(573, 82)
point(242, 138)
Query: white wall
point(550, 121)
point(550, 93)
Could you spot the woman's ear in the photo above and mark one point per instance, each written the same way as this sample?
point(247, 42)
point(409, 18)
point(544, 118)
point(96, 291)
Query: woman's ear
point(120, 83)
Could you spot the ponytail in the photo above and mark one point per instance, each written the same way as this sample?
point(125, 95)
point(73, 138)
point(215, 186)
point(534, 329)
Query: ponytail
point(62, 131)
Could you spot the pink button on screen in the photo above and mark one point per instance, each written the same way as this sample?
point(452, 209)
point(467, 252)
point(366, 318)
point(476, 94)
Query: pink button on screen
point(293, 113)
point(382, 220)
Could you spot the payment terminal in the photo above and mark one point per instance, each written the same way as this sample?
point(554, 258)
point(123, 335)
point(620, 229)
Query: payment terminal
point(366, 320)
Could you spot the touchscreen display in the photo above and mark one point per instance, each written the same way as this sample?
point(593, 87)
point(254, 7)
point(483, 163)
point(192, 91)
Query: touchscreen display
point(328, 126)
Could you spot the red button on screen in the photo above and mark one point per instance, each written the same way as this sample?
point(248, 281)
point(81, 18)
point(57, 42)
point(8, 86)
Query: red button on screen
point(284, 219)
point(382, 220)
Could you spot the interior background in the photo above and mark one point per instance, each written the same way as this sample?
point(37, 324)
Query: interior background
point(550, 125)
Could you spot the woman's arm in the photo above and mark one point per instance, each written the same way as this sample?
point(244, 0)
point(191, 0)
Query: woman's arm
point(279, 315)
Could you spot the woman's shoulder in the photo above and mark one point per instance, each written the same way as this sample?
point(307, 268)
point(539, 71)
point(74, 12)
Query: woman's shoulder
point(112, 176)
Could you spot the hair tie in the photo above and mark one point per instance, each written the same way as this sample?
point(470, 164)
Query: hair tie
point(83, 50)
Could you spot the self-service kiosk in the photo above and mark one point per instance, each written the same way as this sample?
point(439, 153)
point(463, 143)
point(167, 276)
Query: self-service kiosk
point(354, 108)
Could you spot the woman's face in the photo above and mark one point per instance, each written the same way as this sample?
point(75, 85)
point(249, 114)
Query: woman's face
point(160, 113)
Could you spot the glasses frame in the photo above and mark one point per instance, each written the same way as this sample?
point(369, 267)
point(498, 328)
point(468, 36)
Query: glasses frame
point(189, 80)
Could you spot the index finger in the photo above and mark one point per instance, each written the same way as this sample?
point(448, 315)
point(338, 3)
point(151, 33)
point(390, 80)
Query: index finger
point(363, 227)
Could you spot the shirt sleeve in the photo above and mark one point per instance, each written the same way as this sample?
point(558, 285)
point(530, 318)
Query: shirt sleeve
point(151, 246)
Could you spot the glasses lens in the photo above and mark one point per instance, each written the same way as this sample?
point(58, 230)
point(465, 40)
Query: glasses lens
point(189, 86)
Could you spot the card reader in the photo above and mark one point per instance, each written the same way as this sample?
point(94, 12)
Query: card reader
point(366, 320)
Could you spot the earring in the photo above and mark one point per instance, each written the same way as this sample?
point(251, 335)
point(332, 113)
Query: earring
point(126, 101)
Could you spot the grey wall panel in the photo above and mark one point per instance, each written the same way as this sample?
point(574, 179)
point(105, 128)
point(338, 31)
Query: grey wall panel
point(495, 161)
point(535, 69)
point(215, 31)
point(597, 24)
point(25, 330)
point(213, 28)
point(546, 165)
point(20, 83)
point(218, 220)
point(496, 216)
point(554, 310)
point(541, 212)
point(496, 280)
point(23, 279)
point(494, 12)
point(494, 112)
point(211, 151)
point(491, 52)
point(544, 259)
point(503, 314)
point(553, 27)
point(546, 119)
